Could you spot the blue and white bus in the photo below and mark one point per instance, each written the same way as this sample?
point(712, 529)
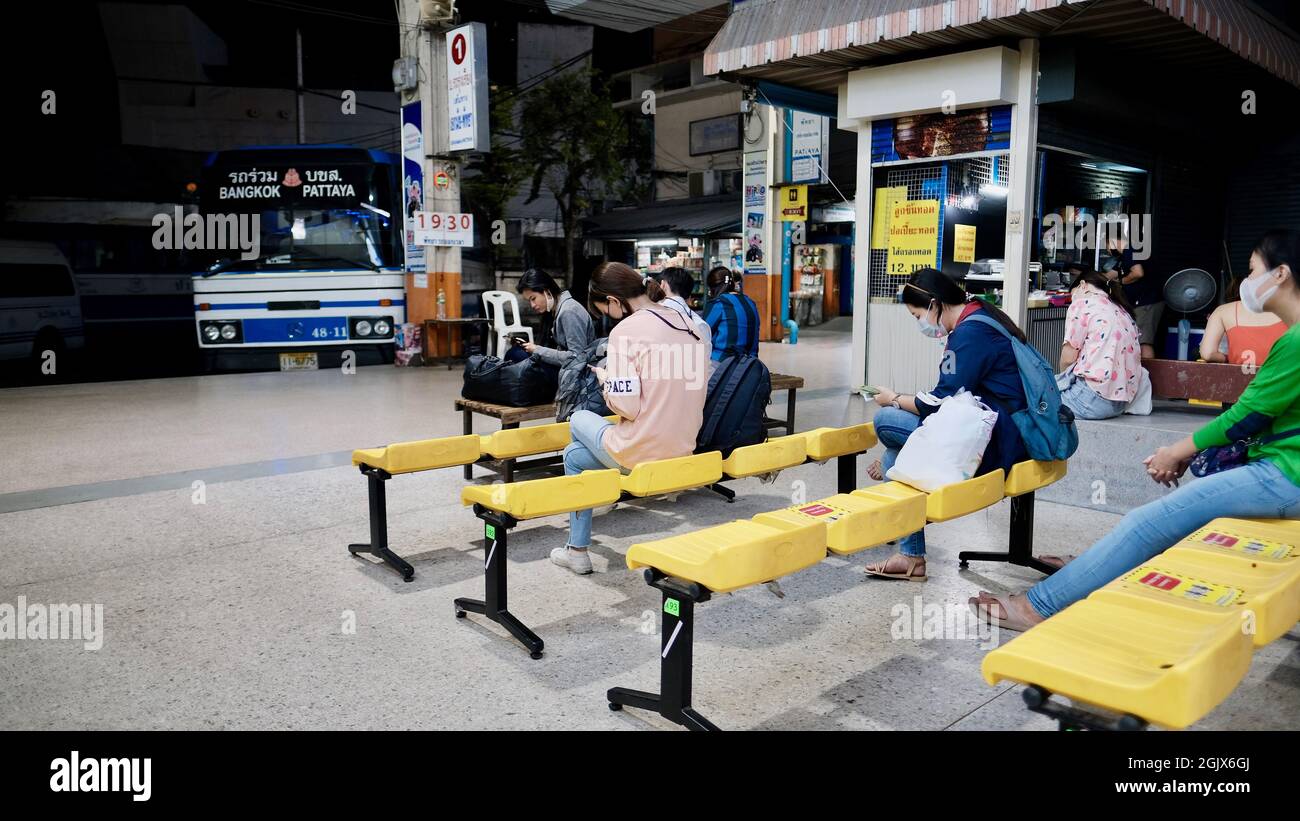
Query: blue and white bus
point(328, 272)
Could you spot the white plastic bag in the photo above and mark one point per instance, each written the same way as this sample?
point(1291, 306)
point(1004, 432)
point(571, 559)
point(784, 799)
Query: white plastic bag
point(948, 446)
point(1141, 404)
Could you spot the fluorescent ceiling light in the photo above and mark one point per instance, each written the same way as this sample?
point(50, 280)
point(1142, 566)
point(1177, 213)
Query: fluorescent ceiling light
point(669, 241)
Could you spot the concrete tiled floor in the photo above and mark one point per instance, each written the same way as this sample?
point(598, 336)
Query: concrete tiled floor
point(230, 614)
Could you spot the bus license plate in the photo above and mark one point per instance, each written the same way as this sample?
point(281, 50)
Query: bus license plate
point(299, 361)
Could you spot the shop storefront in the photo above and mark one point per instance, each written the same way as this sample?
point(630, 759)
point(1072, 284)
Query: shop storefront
point(979, 132)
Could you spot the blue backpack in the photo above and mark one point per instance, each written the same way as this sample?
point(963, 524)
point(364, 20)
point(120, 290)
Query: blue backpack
point(1046, 425)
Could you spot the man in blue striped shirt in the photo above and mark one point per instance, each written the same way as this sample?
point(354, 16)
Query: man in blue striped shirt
point(732, 316)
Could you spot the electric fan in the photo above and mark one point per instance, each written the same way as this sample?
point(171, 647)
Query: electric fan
point(1189, 291)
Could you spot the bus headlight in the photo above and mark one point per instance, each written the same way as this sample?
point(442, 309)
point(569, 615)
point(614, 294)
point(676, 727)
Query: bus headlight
point(211, 333)
point(363, 328)
point(382, 328)
point(228, 332)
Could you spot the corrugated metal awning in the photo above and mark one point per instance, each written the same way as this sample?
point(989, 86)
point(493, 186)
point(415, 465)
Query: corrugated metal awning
point(674, 218)
point(812, 44)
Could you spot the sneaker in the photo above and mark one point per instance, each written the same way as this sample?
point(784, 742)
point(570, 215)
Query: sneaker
point(576, 560)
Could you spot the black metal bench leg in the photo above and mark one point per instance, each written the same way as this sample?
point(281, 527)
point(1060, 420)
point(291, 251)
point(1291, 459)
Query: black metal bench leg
point(789, 411)
point(847, 473)
point(468, 427)
point(723, 491)
point(378, 545)
point(673, 701)
point(496, 530)
point(1020, 540)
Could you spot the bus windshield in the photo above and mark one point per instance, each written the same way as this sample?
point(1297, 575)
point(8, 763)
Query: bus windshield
point(322, 237)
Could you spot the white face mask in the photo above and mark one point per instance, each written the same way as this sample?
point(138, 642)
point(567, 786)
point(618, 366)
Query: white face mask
point(550, 303)
point(1254, 294)
point(931, 329)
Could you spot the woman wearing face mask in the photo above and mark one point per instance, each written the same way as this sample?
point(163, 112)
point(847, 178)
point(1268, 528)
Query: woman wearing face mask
point(1250, 335)
point(1101, 367)
point(1267, 487)
point(571, 329)
point(655, 379)
point(979, 359)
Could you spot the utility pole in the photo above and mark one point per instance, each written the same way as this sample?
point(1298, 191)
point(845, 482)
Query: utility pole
point(424, 38)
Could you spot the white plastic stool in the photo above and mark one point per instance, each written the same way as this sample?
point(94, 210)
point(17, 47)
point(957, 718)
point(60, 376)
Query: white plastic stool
point(496, 303)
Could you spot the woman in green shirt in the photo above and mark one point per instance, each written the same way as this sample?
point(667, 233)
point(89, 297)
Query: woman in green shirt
point(1267, 487)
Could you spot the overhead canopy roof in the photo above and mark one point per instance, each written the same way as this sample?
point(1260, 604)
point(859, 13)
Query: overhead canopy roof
point(672, 218)
point(812, 44)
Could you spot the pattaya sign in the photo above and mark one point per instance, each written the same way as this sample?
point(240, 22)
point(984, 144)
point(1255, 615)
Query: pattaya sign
point(913, 236)
point(293, 184)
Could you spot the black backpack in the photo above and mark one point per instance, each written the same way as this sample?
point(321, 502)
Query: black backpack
point(739, 392)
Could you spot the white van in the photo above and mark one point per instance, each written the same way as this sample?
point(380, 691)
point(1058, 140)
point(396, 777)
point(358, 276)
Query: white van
point(40, 309)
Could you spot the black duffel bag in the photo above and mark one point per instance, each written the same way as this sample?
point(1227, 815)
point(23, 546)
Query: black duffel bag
point(517, 384)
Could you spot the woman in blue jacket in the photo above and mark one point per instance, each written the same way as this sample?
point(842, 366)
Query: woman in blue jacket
point(978, 358)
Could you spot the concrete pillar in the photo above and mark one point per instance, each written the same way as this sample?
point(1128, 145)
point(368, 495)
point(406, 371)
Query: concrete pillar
point(1020, 196)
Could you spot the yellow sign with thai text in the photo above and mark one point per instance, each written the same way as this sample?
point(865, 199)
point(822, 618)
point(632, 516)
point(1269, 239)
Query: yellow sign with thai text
point(794, 203)
point(883, 210)
point(963, 244)
point(913, 237)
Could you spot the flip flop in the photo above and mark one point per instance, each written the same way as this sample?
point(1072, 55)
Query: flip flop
point(1005, 622)
point(912, 563)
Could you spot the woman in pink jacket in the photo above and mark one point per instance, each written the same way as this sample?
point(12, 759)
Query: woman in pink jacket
point(656, 378)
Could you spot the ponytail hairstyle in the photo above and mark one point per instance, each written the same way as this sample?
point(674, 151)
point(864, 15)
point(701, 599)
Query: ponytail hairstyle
point(1110, 287)
point(1280, 247)
point(928, 286)
point(721, 280)
point(614, 279)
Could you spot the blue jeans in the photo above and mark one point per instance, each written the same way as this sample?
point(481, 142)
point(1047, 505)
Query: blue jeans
point(893, 426)
point(1256, 490)
point(585, 452)
point(1078, 396)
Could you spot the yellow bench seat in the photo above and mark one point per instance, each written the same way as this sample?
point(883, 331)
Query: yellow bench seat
point(732, 556)
point(423, 454)
point(854, 521)
point(950, 501)
point(822, 444)
point(1166, 665)
point(766, 457)
point(530, 441)
point(1261, 596)
point(671, 475)
point(1026, 477)
point(545, 497)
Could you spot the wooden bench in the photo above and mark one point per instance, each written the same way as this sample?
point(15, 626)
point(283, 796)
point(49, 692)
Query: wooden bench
point(511, 417)
point(1203, 381)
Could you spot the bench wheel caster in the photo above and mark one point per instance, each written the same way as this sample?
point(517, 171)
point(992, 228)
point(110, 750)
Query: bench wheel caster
point(536, 654)
point(614, 708)
point(409, 578)
point(1131, 723)
point(460, 614)
point(963, 564)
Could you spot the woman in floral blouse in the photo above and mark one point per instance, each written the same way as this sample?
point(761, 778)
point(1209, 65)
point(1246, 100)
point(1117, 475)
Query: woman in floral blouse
point(1101, 367)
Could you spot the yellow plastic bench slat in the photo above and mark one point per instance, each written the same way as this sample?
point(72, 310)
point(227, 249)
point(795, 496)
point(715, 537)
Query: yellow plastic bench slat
point(424, 454)
point(1267, 540)
point(544, 497)
point(827, 443)
point(767, 457)
point(511, 444)
point(1197, 579)
point(854, 521)
point(950, 501)
point(1026, 477)
point(671, 475)
point(732, 556)
point(1164, 664)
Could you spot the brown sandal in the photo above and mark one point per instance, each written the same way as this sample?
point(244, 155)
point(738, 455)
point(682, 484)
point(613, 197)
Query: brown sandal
point(912, 563)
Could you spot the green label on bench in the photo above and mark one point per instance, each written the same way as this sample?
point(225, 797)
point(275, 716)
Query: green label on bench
point(672, 607)
point(490, 531)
